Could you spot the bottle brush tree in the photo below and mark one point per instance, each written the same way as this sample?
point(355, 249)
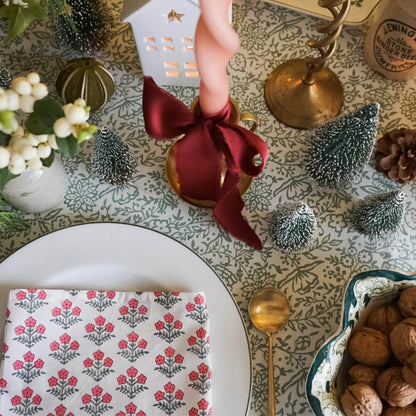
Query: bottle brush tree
point(111, 158)
point(293, 227)
point(379, 215)
point(337, 152)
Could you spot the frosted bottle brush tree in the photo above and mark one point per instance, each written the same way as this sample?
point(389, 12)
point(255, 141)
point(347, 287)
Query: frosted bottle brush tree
point(111, 158)
point(337, 152)
point(379, 215)
point(293, 227)
point(49, 126)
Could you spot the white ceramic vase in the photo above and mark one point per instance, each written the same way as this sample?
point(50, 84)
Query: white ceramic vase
point(37, 190)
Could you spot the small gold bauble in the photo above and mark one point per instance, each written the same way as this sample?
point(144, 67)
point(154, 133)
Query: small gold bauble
point(85, 78)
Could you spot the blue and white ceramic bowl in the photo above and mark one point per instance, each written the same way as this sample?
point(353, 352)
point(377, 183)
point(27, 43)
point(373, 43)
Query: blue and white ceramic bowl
point(324, 384)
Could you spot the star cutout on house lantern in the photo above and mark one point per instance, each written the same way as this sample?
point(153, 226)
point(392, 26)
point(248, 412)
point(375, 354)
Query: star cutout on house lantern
point(172, 15)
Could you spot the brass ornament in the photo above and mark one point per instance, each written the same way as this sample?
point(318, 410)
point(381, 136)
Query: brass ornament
point(85, 78)
point(305, 93)
point(243, 184)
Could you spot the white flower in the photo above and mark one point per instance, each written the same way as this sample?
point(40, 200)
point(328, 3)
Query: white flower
point(4, 157)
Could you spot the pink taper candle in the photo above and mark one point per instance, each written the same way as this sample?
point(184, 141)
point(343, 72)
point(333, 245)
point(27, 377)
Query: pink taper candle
point(215, 43)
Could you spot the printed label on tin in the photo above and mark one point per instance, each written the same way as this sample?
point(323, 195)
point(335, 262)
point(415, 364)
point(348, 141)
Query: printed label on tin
point(395, 46)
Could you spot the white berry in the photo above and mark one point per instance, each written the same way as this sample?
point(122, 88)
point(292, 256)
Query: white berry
point(3, 101)
point(16, 161)
point(75, 114)
point(44, 151)
point(16, 170)
point(35, 163)
point(62, 127)
point(4, 157)
point(39, 91)
point(33, 78)
point(41, 138)
point(52, 141)
point(12, 100)
point(21, 86)
point(26, 103)
point(28, 152)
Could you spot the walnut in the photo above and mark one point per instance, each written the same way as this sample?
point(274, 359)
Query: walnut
point(360, 399)
point(403, 339)
point(369, 346)
point(384, 318)
point(407, 302)
point(401, 411)
point(361, 373)
point(409, 370)
point(393, 389)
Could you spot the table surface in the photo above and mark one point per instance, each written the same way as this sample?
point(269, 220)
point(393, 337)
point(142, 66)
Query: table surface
point(314, 280)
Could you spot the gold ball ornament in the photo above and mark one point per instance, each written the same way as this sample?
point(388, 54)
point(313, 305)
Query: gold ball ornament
point(85, 78)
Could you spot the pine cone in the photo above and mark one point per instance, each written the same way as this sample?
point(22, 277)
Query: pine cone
point(395, 155)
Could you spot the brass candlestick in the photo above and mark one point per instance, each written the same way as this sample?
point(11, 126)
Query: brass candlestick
point(305, 93)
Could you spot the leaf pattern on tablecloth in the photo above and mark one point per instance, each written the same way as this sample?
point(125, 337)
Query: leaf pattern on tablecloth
point(269, 35)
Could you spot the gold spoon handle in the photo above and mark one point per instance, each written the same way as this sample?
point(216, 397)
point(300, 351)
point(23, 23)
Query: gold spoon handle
point(271, 378)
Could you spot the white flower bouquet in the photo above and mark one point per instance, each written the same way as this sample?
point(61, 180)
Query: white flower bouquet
point(48, 127)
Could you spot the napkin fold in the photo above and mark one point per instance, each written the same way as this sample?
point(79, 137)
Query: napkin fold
point(79, 352)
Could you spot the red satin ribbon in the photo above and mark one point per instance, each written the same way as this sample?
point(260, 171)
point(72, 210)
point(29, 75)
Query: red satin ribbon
point(198, 155)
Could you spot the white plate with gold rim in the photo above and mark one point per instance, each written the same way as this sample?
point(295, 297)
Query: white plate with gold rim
point(127, 257)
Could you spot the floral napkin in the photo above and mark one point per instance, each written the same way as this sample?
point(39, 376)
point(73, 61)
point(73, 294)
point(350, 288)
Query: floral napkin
point(75, 353)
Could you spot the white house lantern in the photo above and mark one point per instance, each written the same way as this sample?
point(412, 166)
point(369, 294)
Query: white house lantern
point(164, 31)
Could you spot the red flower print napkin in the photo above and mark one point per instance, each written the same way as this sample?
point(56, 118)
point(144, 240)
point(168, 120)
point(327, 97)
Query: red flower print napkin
point(75, 353)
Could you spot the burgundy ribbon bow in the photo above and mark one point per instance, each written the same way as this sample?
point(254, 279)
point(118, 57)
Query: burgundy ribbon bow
point(198, 155)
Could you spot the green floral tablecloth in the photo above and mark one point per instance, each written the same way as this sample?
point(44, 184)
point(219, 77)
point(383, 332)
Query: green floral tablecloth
point(314, 280)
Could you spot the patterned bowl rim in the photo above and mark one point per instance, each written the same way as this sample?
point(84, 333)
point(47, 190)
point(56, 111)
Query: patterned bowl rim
point(349, 301)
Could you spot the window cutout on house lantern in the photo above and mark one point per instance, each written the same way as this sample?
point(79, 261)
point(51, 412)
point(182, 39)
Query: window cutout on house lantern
point(149, 39)
point(188, 48)
point(167, 48)
point(189, 65)
point(172, 73)
point(187, 39)
point(191, 74)
point(167, 39)
point(151, 48)
point(170, 64)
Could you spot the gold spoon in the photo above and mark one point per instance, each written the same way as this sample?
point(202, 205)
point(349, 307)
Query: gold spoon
point(269, 310)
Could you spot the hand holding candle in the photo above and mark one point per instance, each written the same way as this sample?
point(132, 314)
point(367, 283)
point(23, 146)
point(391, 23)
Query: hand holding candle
point(215, 43)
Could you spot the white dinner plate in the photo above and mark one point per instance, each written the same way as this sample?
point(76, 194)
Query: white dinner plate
point(127, 257)
point(360, 10)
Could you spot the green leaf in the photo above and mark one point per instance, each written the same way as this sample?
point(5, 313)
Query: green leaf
point(68, 146)
point(45, 112)
point(47, 161)
point(4, 138)
point(5, 176)
point(20, 17)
